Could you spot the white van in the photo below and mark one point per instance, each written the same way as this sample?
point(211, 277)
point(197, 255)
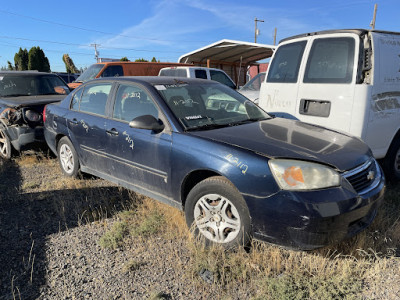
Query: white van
point(199, 72)
point(348, 80)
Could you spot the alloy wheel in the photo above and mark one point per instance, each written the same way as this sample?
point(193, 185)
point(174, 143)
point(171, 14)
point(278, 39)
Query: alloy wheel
point(217, 218)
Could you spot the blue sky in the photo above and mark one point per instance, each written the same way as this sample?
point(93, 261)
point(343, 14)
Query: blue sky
point(166, 29)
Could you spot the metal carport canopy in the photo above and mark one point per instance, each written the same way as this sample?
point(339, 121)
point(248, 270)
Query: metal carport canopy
point(229, 51)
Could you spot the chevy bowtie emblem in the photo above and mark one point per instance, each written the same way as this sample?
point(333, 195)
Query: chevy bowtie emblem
point(371, 175)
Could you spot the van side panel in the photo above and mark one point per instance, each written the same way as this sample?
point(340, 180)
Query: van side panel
point(384, 117)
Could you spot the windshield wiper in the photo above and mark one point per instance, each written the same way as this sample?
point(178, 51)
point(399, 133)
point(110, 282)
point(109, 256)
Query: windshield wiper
point(206, 127)
point(252, 120)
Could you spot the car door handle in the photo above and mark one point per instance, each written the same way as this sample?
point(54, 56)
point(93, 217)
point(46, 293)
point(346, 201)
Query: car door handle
point(112, 131)
point(73, 122)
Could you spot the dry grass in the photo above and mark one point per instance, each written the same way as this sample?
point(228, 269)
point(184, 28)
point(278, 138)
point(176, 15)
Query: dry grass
point(270, 272)
point(264, 272)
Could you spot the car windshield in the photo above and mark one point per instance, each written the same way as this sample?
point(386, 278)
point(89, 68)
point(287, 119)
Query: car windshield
point(14, 85)
point(255, 83)
point(90, 73)
point(202, 106)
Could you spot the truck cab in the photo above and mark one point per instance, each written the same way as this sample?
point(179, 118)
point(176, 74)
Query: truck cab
point(347, 80)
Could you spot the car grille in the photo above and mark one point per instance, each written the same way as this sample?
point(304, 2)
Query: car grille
point(365, 177)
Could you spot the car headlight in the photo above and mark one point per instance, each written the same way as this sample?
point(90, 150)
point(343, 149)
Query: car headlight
point(301, 175)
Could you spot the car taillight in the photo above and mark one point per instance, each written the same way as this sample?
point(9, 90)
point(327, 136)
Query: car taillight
point(44, 113)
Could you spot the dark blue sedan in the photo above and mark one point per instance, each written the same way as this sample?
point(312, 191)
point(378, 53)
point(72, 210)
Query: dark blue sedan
point(237, 172)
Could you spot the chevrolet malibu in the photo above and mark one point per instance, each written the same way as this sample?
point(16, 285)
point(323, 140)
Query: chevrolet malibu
point(237, 172)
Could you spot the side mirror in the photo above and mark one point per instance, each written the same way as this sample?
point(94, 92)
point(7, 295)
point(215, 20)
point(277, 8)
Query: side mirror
point(147, 122)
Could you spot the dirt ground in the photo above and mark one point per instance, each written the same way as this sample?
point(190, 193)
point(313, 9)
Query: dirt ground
point(50, 227)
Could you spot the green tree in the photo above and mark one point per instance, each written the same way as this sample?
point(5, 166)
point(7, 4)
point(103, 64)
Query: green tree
point(10, 65)
point(69, 64)
point(38, 60)
point(154, 59)
point(124, 59)
point(21, 60)
point(141, 60)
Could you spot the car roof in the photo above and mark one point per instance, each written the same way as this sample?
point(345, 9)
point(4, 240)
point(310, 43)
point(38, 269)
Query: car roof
point(153, 80)
point(192, 67)
point(23, 73)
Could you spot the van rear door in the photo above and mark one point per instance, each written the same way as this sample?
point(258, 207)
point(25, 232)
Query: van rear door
point(326, 92)
point(278, 95)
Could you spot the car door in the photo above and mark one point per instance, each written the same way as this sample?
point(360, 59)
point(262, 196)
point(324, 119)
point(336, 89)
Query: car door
point(138, 157)
point(86, 123)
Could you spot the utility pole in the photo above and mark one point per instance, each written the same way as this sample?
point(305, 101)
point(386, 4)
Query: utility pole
point(275, 36)
point(96, 53)
point(256, 31)
point(374, 17)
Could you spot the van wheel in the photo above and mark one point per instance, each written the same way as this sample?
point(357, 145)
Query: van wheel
point(5, 145)
point(218, 213)
point(391, 163)
point(67, 157)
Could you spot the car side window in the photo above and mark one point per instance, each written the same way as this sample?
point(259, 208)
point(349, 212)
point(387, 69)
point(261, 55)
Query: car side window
point(222, 78)
point(131, 102)
point(76, 99)
point(200, 74)
point(94, 98)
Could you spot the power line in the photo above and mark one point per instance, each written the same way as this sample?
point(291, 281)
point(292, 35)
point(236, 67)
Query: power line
point(98, 31)
point(86, 45)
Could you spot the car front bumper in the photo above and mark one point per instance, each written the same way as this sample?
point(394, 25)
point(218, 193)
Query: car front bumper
point(313, 219)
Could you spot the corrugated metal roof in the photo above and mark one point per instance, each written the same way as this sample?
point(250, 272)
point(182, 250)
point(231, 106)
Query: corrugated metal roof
point(229, 51)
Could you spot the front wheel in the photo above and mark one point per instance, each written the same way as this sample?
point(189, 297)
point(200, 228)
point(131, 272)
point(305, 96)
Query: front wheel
point(218, 213)
point(5, 145)
point(67, 157)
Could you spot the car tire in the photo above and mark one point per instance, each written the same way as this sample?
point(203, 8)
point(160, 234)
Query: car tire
point(67, 157)
point(218, 214)
point(5, 145)
point(391, 162)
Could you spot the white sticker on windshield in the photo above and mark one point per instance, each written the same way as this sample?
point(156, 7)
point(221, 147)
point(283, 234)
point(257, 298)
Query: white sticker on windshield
point(194, 117)
point(160, 87)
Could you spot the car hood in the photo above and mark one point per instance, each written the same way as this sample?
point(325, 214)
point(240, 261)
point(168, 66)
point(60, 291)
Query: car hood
point(283, 138)
point(30, 100)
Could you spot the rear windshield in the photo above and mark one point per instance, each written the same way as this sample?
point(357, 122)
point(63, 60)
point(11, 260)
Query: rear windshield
point(14, 85)
point(286, 63)
point(331, 60)
point(90, 73)
point(173, 72)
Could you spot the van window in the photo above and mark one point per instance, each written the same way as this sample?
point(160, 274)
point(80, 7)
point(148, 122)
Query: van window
point(285, 65)
point(90, 73)
point(331, 60)
point(222, 78)
point(173, 72)
point(202, 74)
point(113, 71)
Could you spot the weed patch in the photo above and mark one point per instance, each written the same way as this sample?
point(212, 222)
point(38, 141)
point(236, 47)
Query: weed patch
point(114, 238)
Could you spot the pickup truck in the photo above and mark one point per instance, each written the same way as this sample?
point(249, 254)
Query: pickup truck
point(23, 96)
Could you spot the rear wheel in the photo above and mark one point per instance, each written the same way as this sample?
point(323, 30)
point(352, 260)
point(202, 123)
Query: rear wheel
point(67, 157)
point(5, 145)
point(391, 163)
point(218, 213)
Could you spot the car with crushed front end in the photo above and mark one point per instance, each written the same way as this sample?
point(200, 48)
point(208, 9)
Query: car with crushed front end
point(237, 172)
point(23, 95)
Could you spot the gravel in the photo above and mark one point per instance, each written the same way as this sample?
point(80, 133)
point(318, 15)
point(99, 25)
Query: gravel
point(50, 229)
